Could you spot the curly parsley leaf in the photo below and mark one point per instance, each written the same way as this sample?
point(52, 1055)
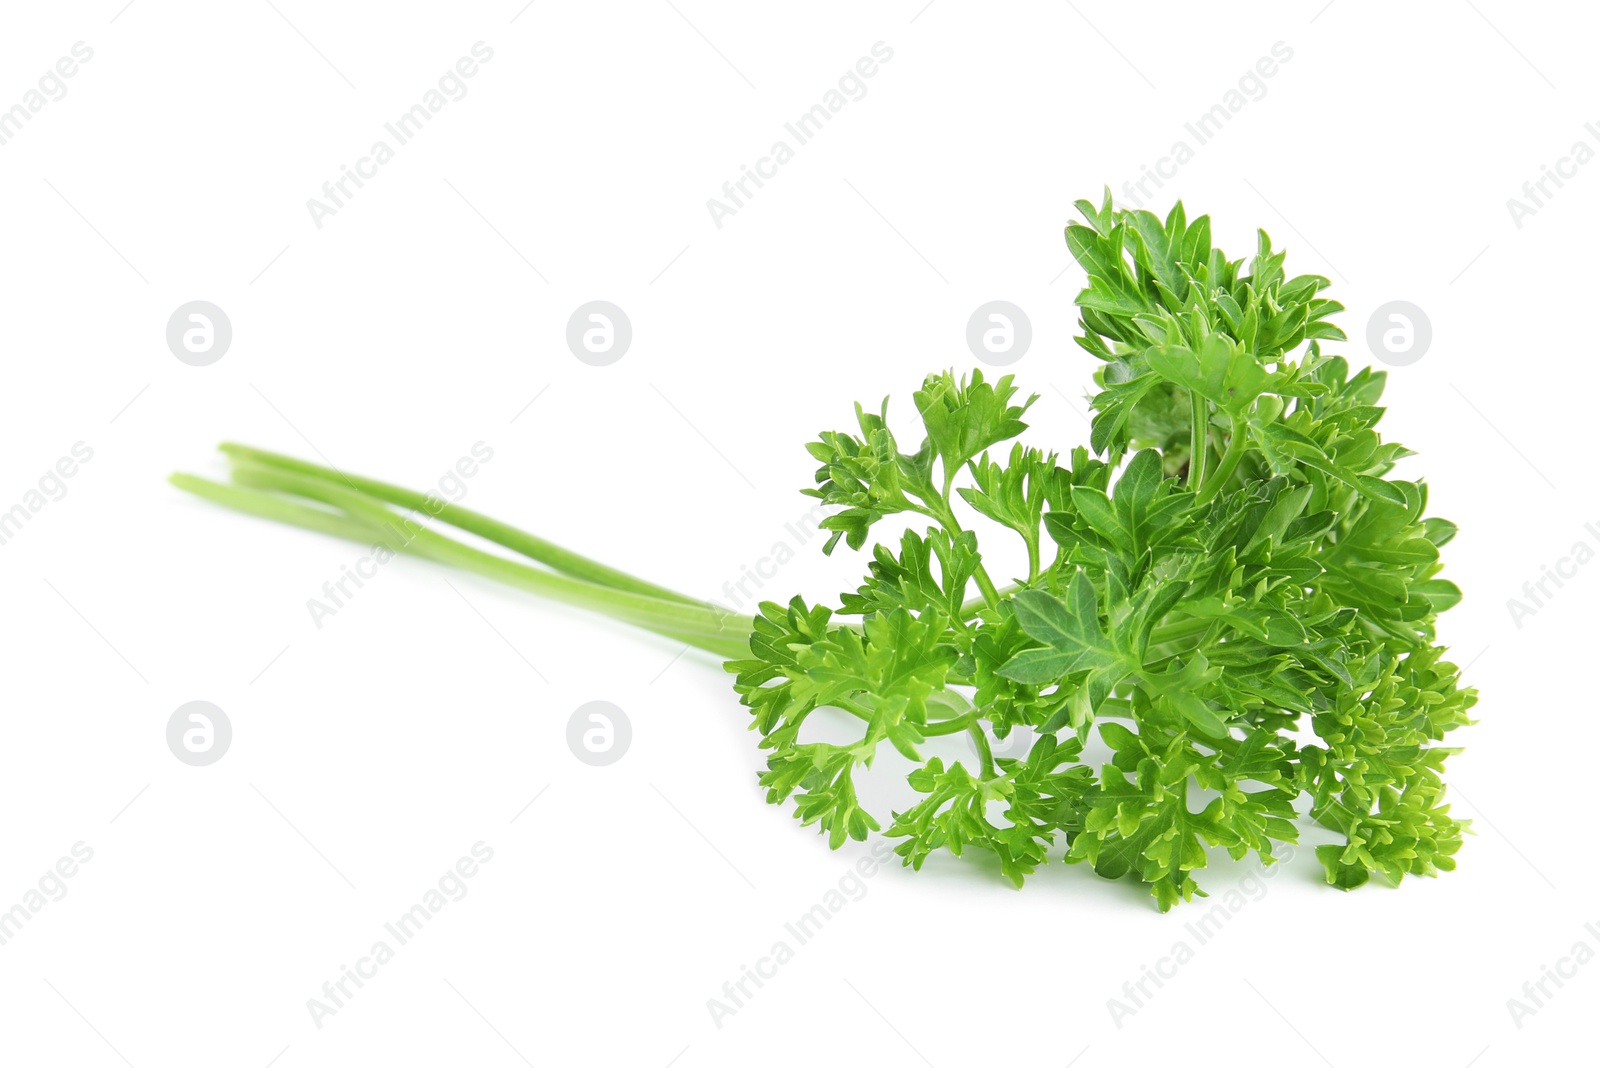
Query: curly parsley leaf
point(1239, 573)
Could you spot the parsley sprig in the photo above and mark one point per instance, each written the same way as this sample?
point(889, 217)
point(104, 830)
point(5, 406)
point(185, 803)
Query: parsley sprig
point(1232, 591)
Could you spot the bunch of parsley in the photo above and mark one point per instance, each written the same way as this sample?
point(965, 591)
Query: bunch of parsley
point(1230, 592)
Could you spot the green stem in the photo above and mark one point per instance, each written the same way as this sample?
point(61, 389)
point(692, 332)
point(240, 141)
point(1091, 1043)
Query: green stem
point(1198, 442)
point(1184, 628)
point(1214, 483)
point(948, 726)
point(366, 520)
point(983, 750)
point(991, 596)
point(947, 519)
point(855, 708)
point(271, 506)
point(646, 608)
point(519, 541)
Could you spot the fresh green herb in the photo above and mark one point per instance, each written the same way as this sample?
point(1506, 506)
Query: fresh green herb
point(1232, 592)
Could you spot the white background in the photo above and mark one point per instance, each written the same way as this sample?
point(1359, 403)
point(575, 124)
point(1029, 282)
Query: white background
point(368, 755)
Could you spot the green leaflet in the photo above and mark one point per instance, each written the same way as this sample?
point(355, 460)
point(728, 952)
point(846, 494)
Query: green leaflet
point(1220, 370)
point(1073, 643)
